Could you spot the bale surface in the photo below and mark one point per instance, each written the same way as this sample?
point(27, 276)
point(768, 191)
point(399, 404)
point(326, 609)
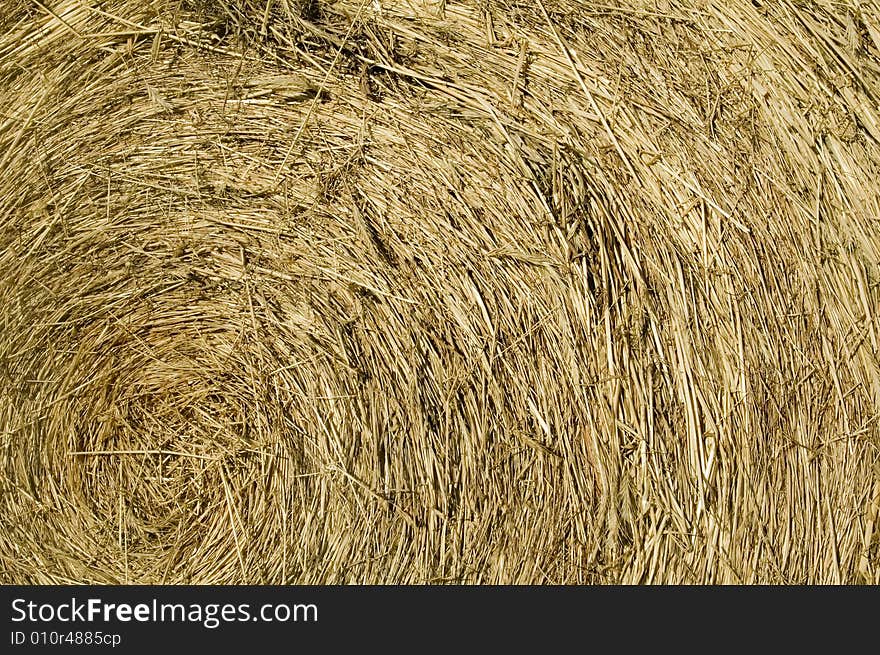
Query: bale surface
point(299, 291)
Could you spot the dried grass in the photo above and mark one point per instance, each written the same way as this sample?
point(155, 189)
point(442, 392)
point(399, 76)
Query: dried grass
point(418, 292)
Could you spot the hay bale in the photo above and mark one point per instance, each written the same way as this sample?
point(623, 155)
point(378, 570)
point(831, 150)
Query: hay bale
point(540, 292)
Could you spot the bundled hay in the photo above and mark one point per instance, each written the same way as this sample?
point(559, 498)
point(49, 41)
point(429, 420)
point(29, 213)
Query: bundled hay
point(371, 291)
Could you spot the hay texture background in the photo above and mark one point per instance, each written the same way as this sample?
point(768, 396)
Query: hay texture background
point(300, 291)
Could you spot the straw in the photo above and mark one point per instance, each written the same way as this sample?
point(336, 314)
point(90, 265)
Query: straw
point(542, 292)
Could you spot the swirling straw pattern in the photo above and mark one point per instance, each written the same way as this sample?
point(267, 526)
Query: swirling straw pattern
point(438, 292)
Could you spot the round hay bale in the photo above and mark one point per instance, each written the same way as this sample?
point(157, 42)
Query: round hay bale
point(535, 292)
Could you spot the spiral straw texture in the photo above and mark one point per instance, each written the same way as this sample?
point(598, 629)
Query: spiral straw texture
point(436, 292)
